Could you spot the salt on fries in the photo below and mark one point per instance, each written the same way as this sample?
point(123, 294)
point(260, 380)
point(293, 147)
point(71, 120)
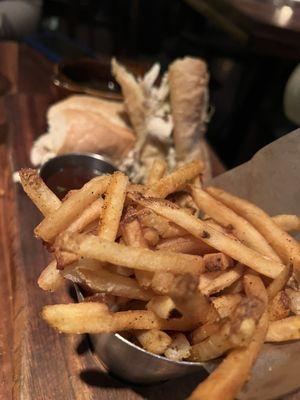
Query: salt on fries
point(205, 288)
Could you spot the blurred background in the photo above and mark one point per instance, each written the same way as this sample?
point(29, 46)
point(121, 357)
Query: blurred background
point(252, 48)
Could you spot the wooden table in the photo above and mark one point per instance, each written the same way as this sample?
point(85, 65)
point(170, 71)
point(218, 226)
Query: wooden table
point(37, 362)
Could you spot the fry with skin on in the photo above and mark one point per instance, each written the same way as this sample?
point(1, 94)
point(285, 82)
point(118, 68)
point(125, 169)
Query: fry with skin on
point(176, 180)
point(185, 244)
point(284, 330)
point(214, 282)
point(157, 171)
point(211, 236)
point(154, 340)
point(280, 307)
point(38, 192)
point(228, 378)
point(285, 246)
point(288, 223)
point(90, 246)
point(50, 279)
point(237, 225)
point(70, 209)
point(96, 318)
point(164, 307)
point(112, 207)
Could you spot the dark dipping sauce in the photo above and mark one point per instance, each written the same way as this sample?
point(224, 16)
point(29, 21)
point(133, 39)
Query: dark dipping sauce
point(72, 171)
point(70, 177)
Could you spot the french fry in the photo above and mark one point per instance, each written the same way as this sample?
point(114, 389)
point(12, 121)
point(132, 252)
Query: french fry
point(95, 318)
point(280, 307)
point(288, 223)
point(112, 207)
point(151, 236)
point(165, 228)
point(176, 286)
point(285, 246)
point(294, 297)
point(237, 225)
point(39, 193)
point(226, 304)
point(214, 282)
point(101, 280)
point(179, 349)
point(157, 171)
point(279, 283)
point(164, 307)
point(253, 286)
point(204, 331)
point(197, 308)
point(133, 236)
point(89, 215)
point(216, 262)
point(64, 258)
point(185, 244)
point(212, 237)
point(154, 340)
point(90, 246)
point(227, 379)
point(51, 279)
point(69, 210)
point(176, 180)
point(284, 330)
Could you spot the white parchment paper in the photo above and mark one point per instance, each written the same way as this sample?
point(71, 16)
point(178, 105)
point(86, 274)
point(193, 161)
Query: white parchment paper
point(271, 179)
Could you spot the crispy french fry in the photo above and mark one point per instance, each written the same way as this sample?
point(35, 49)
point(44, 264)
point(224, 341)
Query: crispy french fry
point(284, 330)
point(179, 349)
point(151, 236)
point(288, 223)
point(204, 331)
point(154, 340)
point(280, 307)
point(279, 283)
point(64, 258)
point(226, 304)
point(165, 228)
point(157, 171)
point(185, 244)
point(227, 379)
point(285, 246)
point(294, 297)
point(254, 286)
point(112, 207)
point(216, 262)
point(39, 193)
point(197, 308)
point(69, 210)
point(235, 224)
point(214, 282)
point(90, 246)
point(95, 318)
point(177, 179)
point(180, 286)
point(89, 215)
point(51, 278)
point(212, 237)
point(164, 307)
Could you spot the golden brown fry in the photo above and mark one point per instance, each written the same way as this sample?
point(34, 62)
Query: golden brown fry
point(253, 286)
point(179, 349)
point(154, 340)
point(212, 237)
point(214, 282)
point(226, 304)
point(235, 224)
point(279, 283)
point(95, 318)
point(69, 210)
point(39, 193)
point(185, 244)
point(51, 278)
point(216, 262)
point(294, 297)
point(284, 330)
point(164, 307)
point(227, 379)
point(112, 207)
point(151, 236)
point(204, 331)
point(197, 308)
point(90, 246)
point(285, 246)
point(280, 307)
point(89, 215)
point(176, 180)
point(165, 228)
point(288, 223)
point(157, 171)
point(176, 286)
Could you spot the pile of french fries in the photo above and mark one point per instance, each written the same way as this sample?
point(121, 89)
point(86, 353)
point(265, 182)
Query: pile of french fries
point(187, 272)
